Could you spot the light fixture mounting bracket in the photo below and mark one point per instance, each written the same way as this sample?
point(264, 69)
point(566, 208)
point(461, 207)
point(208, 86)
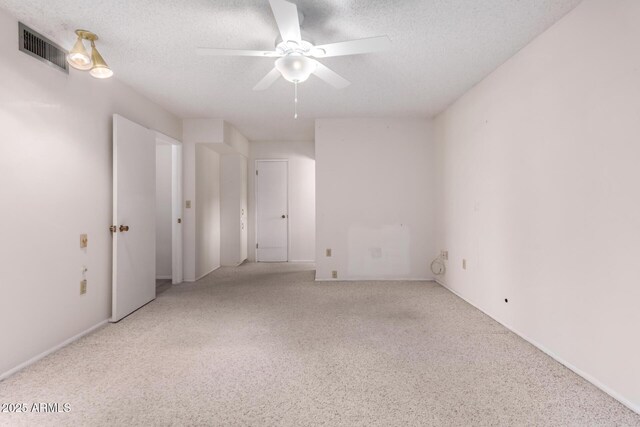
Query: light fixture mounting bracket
point(87, 35)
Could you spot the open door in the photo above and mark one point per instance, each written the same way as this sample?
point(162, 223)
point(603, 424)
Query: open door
point(134, 207)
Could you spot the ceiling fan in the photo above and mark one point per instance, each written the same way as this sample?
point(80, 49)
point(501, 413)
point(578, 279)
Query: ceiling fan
point(296, 56)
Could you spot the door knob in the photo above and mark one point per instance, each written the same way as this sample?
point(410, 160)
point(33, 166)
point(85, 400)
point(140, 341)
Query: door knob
point(124, 228)
point(284, 216)
point(179, 220)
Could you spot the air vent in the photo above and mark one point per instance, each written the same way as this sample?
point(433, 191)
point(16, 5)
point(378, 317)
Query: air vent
point(35, 44)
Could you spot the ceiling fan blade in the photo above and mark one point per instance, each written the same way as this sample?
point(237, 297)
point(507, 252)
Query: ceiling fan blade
point(352, 47)
point(268, 80)
point(328, 75)
point(206, 51)
point(286, 15)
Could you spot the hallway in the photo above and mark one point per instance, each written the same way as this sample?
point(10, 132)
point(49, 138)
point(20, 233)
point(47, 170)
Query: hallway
point(263, 344)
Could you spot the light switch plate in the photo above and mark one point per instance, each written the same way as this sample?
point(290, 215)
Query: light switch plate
point(84, 241)
point(187, 204)
point(328, 252)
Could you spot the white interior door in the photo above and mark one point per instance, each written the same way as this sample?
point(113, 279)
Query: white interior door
point(272, 211)
point(134, 217)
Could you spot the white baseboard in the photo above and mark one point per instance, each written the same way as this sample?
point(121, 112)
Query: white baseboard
point(164, 277)
point(205, 274)
point(306, 261)
point(51, 350)
point(634, 407)
point(233, 265)
point(368, 279)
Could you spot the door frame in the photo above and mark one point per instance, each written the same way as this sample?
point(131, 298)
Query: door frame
point(176, 206)
point(255, 203)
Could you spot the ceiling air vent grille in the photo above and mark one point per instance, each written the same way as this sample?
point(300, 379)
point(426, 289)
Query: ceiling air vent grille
point(35, 44)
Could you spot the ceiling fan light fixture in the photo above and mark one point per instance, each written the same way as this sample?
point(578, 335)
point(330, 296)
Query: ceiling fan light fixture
point(100, 69)
point(78, 57)
point(295, 68)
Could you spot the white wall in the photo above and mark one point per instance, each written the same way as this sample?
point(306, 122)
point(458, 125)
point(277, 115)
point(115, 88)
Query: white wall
point(375, 185)
point(164, 208)
point(207, 211)
point(194, 131)
point(539, 177)
point(235, 140)
point(223, 139)
point(302, 195)
point(233, 192)
point(56, 180)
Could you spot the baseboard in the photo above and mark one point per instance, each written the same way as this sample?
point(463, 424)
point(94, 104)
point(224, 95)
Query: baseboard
point(310, 261)
point(164, 277)
point(51, 350)
point(233, 265)
point(634, 407)
point(368, 279)
point(206, 274)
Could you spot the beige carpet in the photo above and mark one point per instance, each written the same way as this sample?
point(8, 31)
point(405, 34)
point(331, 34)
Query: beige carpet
point(263, 344)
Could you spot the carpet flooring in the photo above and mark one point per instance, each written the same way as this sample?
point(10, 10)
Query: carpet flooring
point(263, 344)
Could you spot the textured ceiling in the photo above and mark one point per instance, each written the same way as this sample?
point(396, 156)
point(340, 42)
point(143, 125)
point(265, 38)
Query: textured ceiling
point(441, 48)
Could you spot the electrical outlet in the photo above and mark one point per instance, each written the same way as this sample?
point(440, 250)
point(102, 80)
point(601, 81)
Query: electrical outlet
point(464, 264)
point(334, 274)
point(83, 287)
point(187, 204)
point(328, 252)
point(83, 241)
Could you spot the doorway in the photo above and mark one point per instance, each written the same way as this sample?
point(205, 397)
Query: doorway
point(168, 212)
point(272, 211)
point(164, 221)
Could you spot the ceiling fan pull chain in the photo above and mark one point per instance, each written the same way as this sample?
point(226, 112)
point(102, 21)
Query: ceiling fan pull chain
point(295, 101)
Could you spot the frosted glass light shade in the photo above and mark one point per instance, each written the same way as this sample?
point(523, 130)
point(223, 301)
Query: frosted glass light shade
point(78, 57)
point(295, 68)
point(101, 72)
point(100, 69)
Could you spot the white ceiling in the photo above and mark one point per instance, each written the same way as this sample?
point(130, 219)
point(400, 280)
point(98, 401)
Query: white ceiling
point(441, 48)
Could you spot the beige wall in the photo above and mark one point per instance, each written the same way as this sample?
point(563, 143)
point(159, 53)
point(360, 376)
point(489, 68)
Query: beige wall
point(539, 192)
